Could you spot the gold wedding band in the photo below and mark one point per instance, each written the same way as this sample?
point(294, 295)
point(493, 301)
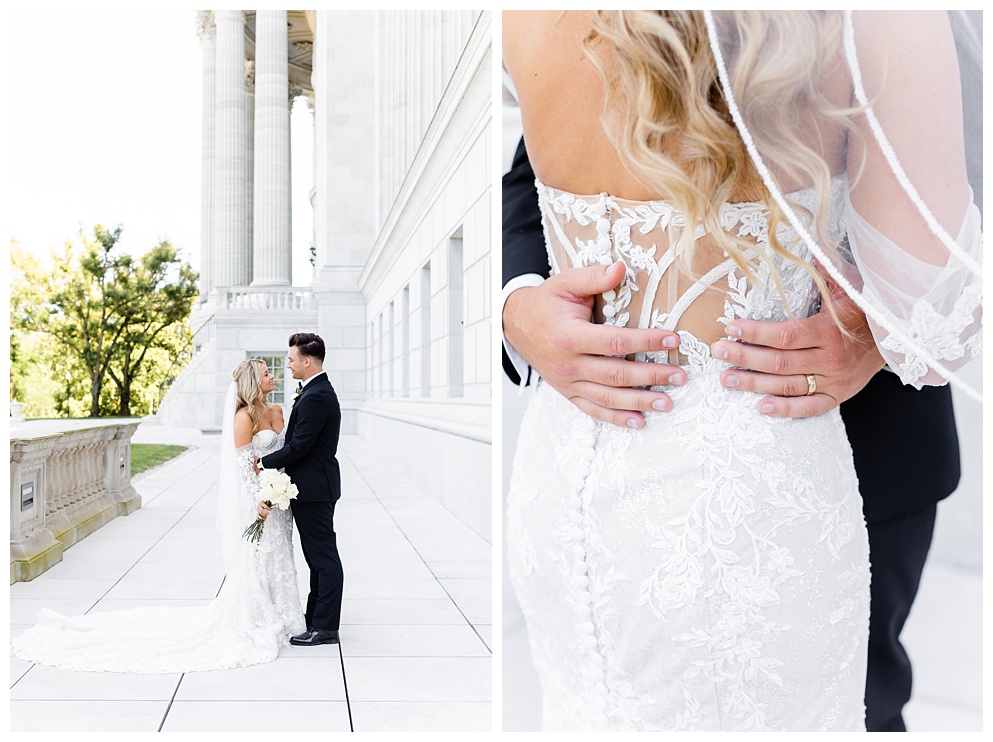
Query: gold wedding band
point(811, 385)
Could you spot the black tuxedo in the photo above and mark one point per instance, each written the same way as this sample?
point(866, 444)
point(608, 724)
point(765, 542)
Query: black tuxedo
point(906, 455)
point(308, 457)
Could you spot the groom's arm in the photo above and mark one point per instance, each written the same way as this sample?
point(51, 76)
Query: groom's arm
point(311, 416)
point(524, 259)
point(572, 356)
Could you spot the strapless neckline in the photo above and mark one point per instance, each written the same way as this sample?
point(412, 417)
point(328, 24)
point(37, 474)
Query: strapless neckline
point(836, 181)
point(272, 432)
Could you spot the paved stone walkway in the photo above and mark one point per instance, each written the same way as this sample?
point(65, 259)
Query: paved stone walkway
point(415, 652)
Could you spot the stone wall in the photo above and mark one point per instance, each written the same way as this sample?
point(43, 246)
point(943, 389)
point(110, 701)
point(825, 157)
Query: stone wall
point(67, 479)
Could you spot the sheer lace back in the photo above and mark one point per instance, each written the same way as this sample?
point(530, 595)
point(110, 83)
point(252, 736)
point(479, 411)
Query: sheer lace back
point(657, 292)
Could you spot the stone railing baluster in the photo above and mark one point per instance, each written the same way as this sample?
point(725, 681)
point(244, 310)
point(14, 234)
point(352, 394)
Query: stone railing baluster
point(66, 482)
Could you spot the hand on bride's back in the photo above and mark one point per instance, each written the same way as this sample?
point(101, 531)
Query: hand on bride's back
point(550, 326)
point(774, 358)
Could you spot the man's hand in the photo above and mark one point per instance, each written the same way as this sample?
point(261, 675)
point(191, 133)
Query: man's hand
point(255, 464)
point(263, 510)
point(550, 326)
point(780, 354)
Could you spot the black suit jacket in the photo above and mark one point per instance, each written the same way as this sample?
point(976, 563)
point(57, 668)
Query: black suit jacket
point(308, 455)
point(904, 441)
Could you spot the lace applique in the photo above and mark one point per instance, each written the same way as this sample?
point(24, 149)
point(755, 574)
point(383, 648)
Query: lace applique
point(730, 438)
point(941, 335)
point(615, 220)
point(667, 573)
point(245, 458)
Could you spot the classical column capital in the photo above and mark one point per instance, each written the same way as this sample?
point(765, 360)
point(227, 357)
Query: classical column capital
point(295, 91)
point(205, 27)
point(250, 75)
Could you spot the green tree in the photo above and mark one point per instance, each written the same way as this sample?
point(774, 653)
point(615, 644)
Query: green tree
point(87, 308)
point(43, 375)
point(108, 314)
point(160, 292)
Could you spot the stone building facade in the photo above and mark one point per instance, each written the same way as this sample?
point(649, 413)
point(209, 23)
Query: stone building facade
point(401, 243)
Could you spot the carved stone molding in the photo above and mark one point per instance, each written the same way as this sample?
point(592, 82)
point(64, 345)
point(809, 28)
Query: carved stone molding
point(295, 91)
point(205, 27)
point(250, 75)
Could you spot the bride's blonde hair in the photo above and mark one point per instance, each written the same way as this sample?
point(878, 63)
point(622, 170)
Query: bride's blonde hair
point(248, 377)
point(666, 113)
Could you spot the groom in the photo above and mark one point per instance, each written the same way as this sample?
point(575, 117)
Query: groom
point(308, 457)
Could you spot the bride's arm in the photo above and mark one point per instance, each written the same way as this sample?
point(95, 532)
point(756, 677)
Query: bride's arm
point(245, 455)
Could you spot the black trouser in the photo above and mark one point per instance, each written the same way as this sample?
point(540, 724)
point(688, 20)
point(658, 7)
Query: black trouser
point(315, 522)
point(898, 548)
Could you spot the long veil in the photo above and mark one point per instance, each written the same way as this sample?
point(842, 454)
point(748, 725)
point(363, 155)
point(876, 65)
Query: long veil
point(890, 86)
point(230, 519)
point(240, 627)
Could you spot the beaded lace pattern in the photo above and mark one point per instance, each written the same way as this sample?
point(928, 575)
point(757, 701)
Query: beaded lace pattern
point(710, 571)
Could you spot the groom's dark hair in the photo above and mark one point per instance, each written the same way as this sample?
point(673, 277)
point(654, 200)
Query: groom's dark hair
point(308, 344)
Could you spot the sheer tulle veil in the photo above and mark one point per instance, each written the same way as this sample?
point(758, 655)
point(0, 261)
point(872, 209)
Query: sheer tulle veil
point(913, 229)
point(230, 518)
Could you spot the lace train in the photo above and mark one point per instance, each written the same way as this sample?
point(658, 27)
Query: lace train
point(257, 609)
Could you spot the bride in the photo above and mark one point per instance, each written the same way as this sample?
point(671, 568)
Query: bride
point(258, 606)
point(710, 570)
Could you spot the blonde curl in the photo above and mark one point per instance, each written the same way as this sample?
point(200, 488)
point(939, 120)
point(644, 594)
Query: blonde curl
point(665, 112)
point(248, 377)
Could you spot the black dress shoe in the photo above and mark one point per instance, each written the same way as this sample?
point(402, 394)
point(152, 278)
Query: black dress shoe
point(313, 636)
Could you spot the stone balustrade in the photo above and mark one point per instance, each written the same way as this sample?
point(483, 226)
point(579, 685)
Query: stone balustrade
point(67, 479)
point(289, 299)
point(204, 334)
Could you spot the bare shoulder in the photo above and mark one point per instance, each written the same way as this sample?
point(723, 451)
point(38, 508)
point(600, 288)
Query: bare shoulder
point(533, 37)
point(242, 428)
point(275, 410)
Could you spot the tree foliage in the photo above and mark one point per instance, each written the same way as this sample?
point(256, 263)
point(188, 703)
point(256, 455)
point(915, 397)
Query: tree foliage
point(115, 325)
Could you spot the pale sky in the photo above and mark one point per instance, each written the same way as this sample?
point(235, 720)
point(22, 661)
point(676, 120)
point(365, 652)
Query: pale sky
point(106, 128)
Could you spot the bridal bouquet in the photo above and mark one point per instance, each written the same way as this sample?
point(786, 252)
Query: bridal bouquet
point(277, 490)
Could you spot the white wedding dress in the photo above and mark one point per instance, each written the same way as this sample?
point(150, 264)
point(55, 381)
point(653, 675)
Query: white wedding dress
point(710, 571)
point(256, 611)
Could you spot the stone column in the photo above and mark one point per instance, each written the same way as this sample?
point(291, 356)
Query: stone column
point(206, 31)
point(417, 75)
point(437, 76)
point(249, 185)
point(448, 34)
point(271, 243)
point(230, 243)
